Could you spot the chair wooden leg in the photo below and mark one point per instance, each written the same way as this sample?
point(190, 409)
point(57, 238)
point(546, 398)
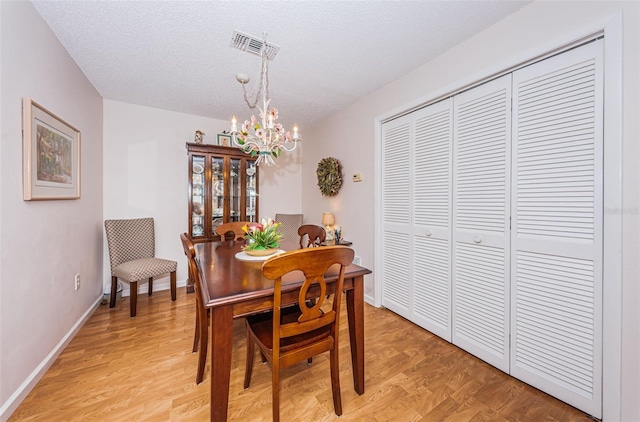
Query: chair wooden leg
point(133, 297)
point(173, 286)
point(203, 345)
point(275, 388)
point(335, 380)
point(196, 335)
point(114, 288)
point(150, 286)
point(248, 370)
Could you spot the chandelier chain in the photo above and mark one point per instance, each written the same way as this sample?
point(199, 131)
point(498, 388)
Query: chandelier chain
point(263, 84)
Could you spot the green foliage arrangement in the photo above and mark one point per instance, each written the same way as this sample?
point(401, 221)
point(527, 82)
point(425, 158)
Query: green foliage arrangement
point(263, 236)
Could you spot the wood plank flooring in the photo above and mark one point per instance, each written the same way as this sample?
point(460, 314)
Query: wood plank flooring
point(141, 369)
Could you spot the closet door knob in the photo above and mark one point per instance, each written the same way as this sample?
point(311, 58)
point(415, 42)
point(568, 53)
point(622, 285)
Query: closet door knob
point(477, 239)
point(428, 233)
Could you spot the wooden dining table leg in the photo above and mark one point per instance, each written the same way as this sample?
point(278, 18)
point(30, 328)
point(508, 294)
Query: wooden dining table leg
point(221, 343)
point(355, 315)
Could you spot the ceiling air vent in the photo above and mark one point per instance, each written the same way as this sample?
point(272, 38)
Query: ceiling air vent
point(251, 44)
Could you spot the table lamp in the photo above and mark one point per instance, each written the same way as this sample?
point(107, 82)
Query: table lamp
point(328, 221)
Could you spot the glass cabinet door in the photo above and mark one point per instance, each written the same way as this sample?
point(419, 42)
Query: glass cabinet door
point(223, 187)
point(234, 190)
point(197, 196)
point(217, 192)
point(251, 195)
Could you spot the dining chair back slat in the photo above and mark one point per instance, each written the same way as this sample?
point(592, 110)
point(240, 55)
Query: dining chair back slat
point(311, 235)
point(232, 226)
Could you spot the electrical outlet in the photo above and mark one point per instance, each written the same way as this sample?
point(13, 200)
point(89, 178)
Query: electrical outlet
point(77, 281)
point(356, 260)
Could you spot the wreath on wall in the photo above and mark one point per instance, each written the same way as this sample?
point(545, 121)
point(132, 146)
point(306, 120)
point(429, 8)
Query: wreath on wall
point(329, 174)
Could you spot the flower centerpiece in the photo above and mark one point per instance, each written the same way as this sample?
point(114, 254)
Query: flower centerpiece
point(263, 238)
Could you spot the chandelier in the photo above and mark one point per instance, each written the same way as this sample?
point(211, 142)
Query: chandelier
point(263, 138)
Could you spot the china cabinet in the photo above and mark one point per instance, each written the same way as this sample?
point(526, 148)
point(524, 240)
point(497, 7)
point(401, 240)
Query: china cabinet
point(223, 187)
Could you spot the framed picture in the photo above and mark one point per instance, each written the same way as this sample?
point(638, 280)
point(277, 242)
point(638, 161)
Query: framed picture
point(224, 140)
point(50, 153)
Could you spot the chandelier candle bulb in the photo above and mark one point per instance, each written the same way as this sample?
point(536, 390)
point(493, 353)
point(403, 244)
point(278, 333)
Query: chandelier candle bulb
point(234, 124)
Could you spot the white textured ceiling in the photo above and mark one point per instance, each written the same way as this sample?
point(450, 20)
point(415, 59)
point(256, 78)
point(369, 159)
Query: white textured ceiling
point(176, 55)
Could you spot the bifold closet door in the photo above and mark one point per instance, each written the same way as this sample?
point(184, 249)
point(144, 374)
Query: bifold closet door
point(481, 195)
point(431, 152)
point(416, 249)
point(556, 308)
point(397, 254)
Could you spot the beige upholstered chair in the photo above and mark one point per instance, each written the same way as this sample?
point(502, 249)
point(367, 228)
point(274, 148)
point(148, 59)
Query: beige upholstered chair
point(311, 235)
point(290, 225)
point(132, 257)
point(289, 335)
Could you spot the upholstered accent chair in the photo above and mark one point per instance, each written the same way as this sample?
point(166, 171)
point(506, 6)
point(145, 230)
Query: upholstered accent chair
point(290, 225)
point(132, 248)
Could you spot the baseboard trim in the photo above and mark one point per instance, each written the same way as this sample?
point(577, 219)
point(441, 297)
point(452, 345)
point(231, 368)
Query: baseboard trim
point(370, 300)
point(25, 388)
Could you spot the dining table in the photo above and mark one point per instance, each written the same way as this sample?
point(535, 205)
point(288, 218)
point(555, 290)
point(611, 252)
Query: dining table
point(235, 288)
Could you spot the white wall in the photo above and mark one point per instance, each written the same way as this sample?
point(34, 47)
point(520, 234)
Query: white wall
point(145, 175)
point(43, 244)
point(350, 137)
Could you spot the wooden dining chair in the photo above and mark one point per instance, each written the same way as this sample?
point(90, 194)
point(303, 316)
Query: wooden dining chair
point(232, 226)
point(311, 235)
point(132, 257)
point(285, 337)
point(201, 335)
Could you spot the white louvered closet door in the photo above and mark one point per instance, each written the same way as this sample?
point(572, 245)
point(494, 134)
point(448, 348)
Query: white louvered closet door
point(397, 294)
point(557, 227)
point(433, 136)
point(481, 195)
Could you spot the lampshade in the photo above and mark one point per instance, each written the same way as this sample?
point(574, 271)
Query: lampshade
point(328, 219)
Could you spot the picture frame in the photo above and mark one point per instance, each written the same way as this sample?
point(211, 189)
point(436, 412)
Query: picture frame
point(50, 154)
point(224, 140)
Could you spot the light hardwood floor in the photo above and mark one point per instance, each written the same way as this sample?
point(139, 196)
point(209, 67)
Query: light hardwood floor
point(141, 369)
